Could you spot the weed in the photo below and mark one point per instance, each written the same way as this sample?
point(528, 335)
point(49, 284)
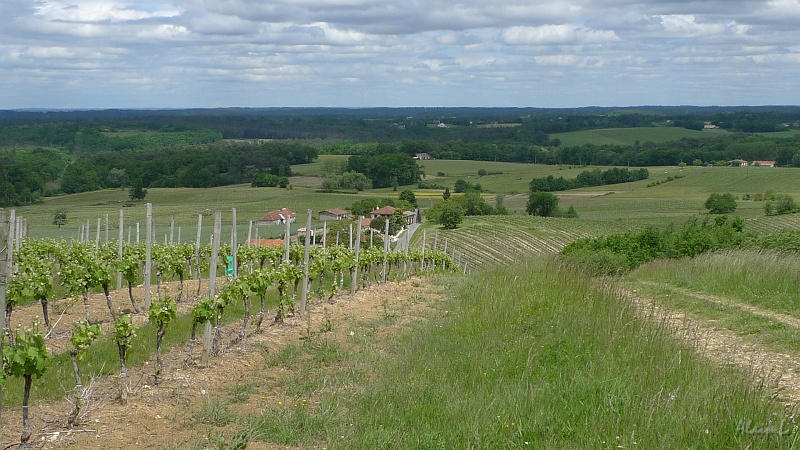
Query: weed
point(213, 412)
point(240, 392)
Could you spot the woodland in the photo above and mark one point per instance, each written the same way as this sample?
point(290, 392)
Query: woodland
point(46, 153)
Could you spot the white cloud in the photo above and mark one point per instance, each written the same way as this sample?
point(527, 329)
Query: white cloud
point(78, 11)
point(556, 34)
point(251, 52)
point(686, 26)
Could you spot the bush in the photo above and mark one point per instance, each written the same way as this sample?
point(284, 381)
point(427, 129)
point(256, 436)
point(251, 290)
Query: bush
point(542, 204)
point(639, 247)
point(603, 262)
point(721, 203)
point(447, 213)
point(784, 204)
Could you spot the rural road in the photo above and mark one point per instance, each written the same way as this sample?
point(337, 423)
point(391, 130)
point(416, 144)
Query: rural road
point(402, 243)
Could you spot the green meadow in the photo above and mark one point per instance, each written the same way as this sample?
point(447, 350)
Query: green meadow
point(628, 136)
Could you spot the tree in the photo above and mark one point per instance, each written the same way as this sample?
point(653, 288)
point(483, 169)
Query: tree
point(136, 191)
point(473, 204)
point(721, 203)
point(451, 215)
point(542, 204)
point(408, 195)
point(60, 217)
point(446, 194)
point(447, 213)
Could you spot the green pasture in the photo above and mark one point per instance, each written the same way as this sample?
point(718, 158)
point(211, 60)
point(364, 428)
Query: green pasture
point(183, 205)
point(670, 195)
point(628, 136)
point(314, 169)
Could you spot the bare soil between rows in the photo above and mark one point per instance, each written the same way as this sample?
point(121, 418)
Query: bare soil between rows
point(164, 415)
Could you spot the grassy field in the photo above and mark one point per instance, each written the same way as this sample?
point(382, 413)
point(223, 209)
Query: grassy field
point(628, 136)
point(628, 203)
point(528, 357)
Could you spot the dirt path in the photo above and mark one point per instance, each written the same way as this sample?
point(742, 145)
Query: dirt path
point(163, 416)
point(754, 310)
point(725, 347)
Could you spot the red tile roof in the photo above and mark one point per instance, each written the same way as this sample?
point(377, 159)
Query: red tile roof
point(276, 215)
point(265, 242)
point(334, 211)
point(385, 211)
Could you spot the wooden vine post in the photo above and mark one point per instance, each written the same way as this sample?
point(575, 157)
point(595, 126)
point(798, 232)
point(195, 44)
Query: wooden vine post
point(306, 251)
point(208, 331)
point(234, 244)
point(5, 277)
point(148, 252)
point(354, 278)
point(422, 263)
point(287, 237)
point(197, 252)
point(119, 246)
point(386, 247)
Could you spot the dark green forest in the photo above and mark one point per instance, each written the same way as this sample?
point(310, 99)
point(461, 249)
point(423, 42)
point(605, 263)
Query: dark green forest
point(53, 152)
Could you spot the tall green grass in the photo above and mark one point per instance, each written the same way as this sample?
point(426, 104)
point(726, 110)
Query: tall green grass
point(539, 357)
point(764, 278)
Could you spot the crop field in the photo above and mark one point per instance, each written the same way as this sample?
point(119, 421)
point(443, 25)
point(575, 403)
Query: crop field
point(628, 136)
point(502, 240)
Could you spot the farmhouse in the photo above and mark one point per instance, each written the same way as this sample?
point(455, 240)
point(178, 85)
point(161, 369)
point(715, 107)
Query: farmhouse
point(737, 163)
point(386, 211)
point(763, 163)
point(333, 214)
point(410, 217)
point(277, 217)
point(422, 156)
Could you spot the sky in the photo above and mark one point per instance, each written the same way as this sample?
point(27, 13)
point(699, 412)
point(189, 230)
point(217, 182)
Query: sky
point(364, 53)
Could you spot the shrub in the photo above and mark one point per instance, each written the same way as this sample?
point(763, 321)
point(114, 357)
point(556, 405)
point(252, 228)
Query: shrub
point(721, 203)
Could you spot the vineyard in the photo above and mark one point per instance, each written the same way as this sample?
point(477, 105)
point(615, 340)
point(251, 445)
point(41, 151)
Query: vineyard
point(503, 240)
point(261, 284)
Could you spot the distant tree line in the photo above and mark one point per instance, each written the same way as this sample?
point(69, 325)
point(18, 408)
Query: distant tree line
point(100, 149)
point(210, 165)
point(594, 177)
point(386, 166)
point(713, 150)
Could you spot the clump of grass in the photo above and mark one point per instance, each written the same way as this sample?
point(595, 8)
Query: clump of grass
point(214, 412)
point(240, 392)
